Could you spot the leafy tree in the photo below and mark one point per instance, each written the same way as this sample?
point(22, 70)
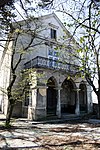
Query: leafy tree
point(83, 21)
point(14, 31)
point(85, 18)
point(13, 89)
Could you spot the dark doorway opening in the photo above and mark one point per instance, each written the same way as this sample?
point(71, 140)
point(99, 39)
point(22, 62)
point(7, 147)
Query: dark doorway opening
point(68, 98)
point(83, 98)
point(51, 97)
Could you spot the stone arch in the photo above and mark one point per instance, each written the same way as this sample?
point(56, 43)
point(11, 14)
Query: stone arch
point(68, 97)
point(72, 81)
point(83, 97)
point(51, 96)
point(52, 78)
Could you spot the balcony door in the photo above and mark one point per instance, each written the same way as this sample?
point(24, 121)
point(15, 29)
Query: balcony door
point(51, 97)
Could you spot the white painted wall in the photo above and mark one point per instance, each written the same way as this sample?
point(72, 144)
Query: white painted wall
point(43, 35)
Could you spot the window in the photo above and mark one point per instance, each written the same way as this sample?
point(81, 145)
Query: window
point(53, 34)
point(50, 62)
point(50, 52)
point(55, 62)
point(55, 54)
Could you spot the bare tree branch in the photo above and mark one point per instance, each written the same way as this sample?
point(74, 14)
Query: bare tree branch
point(82, 23)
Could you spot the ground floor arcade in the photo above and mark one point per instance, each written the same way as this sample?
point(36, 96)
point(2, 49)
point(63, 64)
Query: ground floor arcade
point(59, 96)
point(53, 94)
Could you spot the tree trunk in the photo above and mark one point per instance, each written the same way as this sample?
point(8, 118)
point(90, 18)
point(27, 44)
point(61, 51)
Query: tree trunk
point(98, 96)
point(9, 113)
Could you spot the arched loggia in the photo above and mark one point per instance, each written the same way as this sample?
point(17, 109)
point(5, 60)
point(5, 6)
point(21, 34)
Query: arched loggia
point(51, 97)
point(68, 97)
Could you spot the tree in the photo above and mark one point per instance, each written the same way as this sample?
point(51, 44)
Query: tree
point(85, 18)
point(15, 32)
point(84, 24)
point(13, 90)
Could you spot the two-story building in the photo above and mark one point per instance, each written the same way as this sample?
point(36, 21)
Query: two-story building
point(55, 89)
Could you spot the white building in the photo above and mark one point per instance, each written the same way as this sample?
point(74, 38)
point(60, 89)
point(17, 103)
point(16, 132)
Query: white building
point(54, 88)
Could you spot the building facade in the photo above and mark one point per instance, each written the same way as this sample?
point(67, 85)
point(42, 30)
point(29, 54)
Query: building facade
point(54, 88)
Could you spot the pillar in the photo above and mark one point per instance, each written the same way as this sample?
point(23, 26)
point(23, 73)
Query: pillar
point(77, 110)
point(38, 108)
point(89, 99)
point(58, 112)
point(32, 104)
point(40, 111)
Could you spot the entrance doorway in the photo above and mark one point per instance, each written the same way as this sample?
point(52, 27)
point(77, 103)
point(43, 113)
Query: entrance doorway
point(51, 97)
point(68, 97)
point(83, 98)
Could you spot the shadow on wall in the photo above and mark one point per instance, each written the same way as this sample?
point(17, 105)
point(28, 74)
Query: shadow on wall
point(95, 108)
point(17, 111)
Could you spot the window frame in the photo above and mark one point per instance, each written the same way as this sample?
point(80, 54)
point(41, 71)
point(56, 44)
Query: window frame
point(53, 33)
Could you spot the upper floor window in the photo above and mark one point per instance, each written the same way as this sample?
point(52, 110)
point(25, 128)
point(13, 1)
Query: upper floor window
point(53, 34)
point(50, 62)
point(50, 52)
point(55, 62)
point(56, 54)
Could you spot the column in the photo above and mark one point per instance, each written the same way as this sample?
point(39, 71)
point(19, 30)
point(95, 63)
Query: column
point(77, 110)
point(58, 112)
point(32, 104)
point(40, 111)
point(89, 99)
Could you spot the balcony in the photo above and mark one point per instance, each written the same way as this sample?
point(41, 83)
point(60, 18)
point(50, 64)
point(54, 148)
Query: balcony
point(42, 62)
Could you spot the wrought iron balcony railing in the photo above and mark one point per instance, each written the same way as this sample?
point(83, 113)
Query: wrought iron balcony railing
point(42, 62)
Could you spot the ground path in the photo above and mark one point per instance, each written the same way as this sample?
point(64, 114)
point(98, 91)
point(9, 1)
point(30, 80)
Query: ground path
point(52, 135)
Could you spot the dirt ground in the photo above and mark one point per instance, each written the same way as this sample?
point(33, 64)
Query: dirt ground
point(67, 135)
